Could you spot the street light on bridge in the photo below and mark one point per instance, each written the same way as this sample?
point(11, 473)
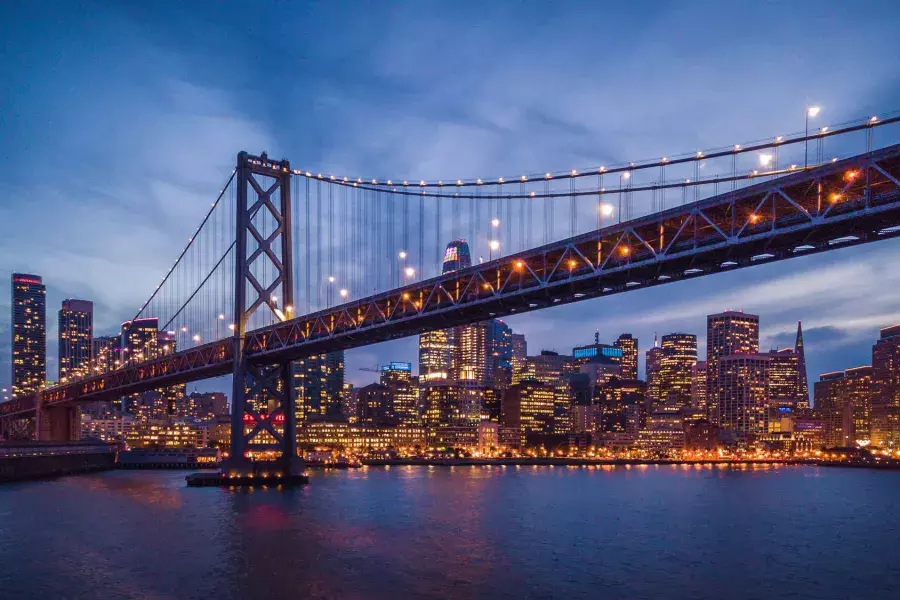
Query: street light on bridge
point(811, 113)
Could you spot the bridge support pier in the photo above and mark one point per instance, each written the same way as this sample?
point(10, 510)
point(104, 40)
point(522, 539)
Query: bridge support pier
point(57, 423)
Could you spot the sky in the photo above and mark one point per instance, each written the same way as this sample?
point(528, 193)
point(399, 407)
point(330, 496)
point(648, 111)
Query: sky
point(119, 122)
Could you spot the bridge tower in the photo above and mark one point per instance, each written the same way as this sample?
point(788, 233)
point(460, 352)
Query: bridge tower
point(263, 416)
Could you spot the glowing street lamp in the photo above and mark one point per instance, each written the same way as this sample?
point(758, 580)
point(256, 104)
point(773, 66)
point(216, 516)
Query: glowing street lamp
point(495, 223)
point(197, 338)
point(409, 272)
point(765, 160)
point(402, 255)
point(494, 245)
point(343, 292)
point(811, 113)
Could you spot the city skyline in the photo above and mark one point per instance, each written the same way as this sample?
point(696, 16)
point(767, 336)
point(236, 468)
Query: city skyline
point(844, 297)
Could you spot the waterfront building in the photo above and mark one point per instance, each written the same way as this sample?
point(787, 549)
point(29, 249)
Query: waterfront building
point(449, 403)
point(886, 368)
point(700, 435)
point(727, 334)
point(359, 438)
point(75, 336)
point(203, 406)
point(742, 395)
point(518, 356)
point(29, 334)
point(175, 434)
point(675, 372)
point(318, 385)
point(529, 406)
point(842, 403)
point(663, 431)
point(628, 344)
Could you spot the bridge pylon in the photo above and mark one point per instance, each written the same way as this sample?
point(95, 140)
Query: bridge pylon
point(263, 415)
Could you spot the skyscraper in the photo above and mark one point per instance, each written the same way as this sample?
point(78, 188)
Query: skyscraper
point(629, 346)
point(727, 333)
point(29, 333)
point(698, 386)
point(438, 350)
point(653, 361)
point(498, 355)
point(76, 337)
point(677, 359)
point(784, 379)
point(318, 384)
point(397, 376)
point(741, 389)
point(518, 356)
point(843, 405)
point(140, 340)
point(802, 381)
point(886, 389)
point(106, 353)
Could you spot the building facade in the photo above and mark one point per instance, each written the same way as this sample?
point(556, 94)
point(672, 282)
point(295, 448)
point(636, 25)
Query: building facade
point(76, 338)
point(676, 364)
point(29, 334)
point(728, 333)
point(628, 344)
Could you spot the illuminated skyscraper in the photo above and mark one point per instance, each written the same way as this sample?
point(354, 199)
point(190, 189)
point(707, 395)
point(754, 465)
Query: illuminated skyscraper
point(498, 354)
point(741, 390)
point(472, 353)
point(318, 385)
point(802, 380)
point(653, 361)
point(843, 405)
point(29, 333)
point(518, 356)
point(397, 376)
point(529, 407)
point(784, 379)
point(698, 386)
point(140, 340)
point(106, 352)
point(727, 333)
point(76, 336)
point(677, 359)
point(886, 389)
point(438, 350)
point(629, 346)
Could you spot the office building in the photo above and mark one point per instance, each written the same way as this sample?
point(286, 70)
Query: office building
point(678, 355)
point(698, 387)
point(29, 334)
point(140, 340)
point(628, 344)
point(728, 333)
point(886, 368)
point(498, 354)
point(76, 336)
point(375, 405)
point(653, 366)
point(784, 379)
point(518, 356)
point(802, 380)
point(529, 407)
point(106, 352)
point(318, 385)
point(842, 404)
point(404, 391)
point(742, 400)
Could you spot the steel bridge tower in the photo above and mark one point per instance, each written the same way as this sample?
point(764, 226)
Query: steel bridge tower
point(263, 415)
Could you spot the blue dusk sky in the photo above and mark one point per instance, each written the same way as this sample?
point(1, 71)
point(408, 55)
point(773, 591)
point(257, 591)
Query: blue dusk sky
point(119, 123)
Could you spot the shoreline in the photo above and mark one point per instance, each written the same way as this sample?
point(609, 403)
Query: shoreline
point(621, 462)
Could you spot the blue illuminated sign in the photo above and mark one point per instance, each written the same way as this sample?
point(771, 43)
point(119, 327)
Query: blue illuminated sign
point(397, 366)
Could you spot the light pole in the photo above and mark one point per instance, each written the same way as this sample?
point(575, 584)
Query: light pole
point(402, 256)
point(811, 112)
point(623, 177)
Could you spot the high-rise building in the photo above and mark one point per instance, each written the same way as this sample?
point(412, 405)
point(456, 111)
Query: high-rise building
point(802, 380)
point(548, 367)
point(629, 346)
point(438, 350)
point(742, 398)
point(727, 334)
point(106, 352)
point(451, 404)
point(140, 340)
point(842, 404)
point(518, 356)
point(653, 365)
point(375, 405)
point(498, 354)
point(318, 384)
point(405, 393)
point(784, 381)
point(698, 387)
point(472, 353)
point(29, 334)
point(676, 363)
point(886, 368)
point(76, 336)
point(529, 407)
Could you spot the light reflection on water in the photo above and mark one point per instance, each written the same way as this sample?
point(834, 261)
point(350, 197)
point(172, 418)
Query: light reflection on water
point(681, 531)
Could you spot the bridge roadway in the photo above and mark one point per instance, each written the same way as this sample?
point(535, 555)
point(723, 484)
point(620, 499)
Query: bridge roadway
point(844, 203)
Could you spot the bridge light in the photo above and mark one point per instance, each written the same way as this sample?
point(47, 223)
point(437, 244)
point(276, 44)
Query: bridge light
point(331, 279)
point(197, 338)
point(402, 254)
point(665, 159)
point(812, 111)
point(778, 139)
point(231, 326)
point(524, 178)
point(737, 147)
point(606, 209)
point(547, 176)
point(289, 308)
point(531, 195)
point(495, 223)
point(519, 264)
point(274, 298)
point(405, 296)
point(500, 180)
point(343, 292)
point(184, 329)
point(699, 154)
point(823, 130)
point(487, 286)
point(459, 182)
point(574, 172)
point(221, 317)
point(625, 250)
point(851, 175)
point(495, 245)
point(626, 175)
point(765, 160)
point(389, 182)
point(835, 197)
point(754, 218)
point(572, 264)
point(409, 271)
point(873, 119)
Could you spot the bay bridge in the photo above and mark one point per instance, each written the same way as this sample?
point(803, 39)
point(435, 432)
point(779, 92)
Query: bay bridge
point(289, 263)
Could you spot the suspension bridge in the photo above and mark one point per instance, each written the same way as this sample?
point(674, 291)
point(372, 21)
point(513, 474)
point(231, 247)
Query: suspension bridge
point(289, 263)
